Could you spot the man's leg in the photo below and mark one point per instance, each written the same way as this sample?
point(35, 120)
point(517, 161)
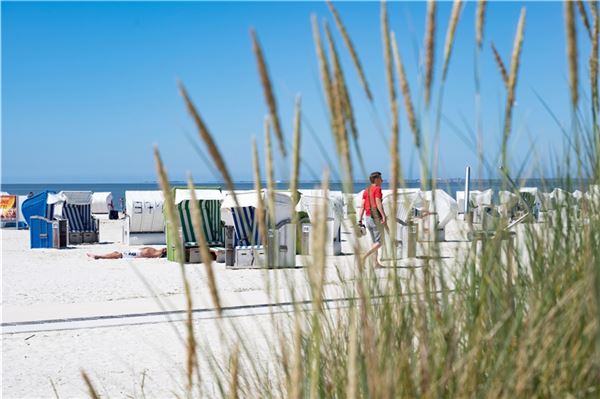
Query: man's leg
point(112, 255)
point(376, 237)
point(373, 251)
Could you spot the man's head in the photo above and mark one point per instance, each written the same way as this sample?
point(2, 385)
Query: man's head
point(375, 178)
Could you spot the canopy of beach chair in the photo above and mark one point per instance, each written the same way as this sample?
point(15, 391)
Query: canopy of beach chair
point(74, 206)
point(309, 202)
point(37, 206)
point(242, 215)
point(442, 203)
point(209, 203)
point(406, 203)
point(145, 211)
point(102, 202)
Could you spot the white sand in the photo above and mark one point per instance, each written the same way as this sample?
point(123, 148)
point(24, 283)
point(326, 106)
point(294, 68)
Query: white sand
point(46, 284)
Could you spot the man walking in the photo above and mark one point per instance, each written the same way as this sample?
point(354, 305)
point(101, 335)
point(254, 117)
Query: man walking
point(373, 209)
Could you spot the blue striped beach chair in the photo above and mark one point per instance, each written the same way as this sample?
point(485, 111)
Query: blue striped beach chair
point(76, 208)
point(245, 226)
point(244, 247)
point(79, 217)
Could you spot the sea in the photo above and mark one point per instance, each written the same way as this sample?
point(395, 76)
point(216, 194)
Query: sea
point(451, 186)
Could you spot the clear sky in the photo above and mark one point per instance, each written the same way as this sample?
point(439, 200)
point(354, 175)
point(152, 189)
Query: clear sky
point(88, 88)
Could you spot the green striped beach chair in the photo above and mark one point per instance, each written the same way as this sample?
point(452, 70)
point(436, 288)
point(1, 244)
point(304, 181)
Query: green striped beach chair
point(209, 202)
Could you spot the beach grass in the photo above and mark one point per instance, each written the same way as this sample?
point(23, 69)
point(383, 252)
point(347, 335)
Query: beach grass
point(518, 316)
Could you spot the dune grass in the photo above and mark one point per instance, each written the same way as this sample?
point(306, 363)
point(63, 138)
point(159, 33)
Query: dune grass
point(500, 323)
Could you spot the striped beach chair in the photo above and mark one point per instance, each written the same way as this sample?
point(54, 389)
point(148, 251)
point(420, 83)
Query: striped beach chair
point(244, 246)
point(245, 226)
point(79, 217)
point(209, 203)
point(211, 221)
point(76, 208)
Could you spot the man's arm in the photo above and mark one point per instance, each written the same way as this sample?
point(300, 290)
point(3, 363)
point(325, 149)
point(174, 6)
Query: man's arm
point(380, 208)
point(362, 213)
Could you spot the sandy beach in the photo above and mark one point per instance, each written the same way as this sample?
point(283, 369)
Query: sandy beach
point(63, 312)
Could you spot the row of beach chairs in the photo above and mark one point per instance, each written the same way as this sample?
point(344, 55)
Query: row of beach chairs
point(231, 228)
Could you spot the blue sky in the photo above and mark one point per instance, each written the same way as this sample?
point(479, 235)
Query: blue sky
point(89, 88)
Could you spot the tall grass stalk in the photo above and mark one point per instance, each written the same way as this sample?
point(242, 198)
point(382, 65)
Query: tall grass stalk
point(174, 229)
point(208, 140)
point(584, 17)
point(572, 51)
point(296, 160)
point(429, 49)
point(268, 91)
point(456, 10)
point(234, 371)
point(572, 57)
point(480, 22)
point(594, 89)
point(338, 105)
point(479, 33)
point(404, 87)
point(395, 128)
point(490, 322)
point(270, 171)
point(295, 387)
point(90, 386)
point(260, 209)
point(351, 49)
point(500, 64)
point(448, 46)
point(205, 254)
point(511, 88)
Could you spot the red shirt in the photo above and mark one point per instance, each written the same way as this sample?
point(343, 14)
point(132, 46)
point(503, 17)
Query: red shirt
point(375, 192)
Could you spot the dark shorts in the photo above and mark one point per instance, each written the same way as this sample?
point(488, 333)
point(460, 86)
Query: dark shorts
point(374, 229)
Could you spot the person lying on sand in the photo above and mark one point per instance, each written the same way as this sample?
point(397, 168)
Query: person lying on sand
point(144, 252)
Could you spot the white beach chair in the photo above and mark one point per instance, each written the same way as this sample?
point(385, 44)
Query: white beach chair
point(243, 246)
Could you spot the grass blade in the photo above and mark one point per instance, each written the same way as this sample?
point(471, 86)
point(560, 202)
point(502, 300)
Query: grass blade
point(500, 64)
point(197, 223)
point(429, 49)
point(479, 24)
point(404, 87)
point(208, 140)
point(351, 49)
point(512, 84)
point(268, 91)
point(584, 17)
point(260, 209)
point(572, 51)
point(456, 9)
point(90, 386)
point(296, 159)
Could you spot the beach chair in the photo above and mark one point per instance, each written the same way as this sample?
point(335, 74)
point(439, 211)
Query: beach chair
point(508, 201)
point(37, 206)
point(309, 201)
point(479, 202)
point(144, 219)
point(564, 206)
point(530, 201)
point(102, 203)
point(47, 233)
point(76, 208)
point(434, 211)
point(209, 203)
point(243, 245)
point(404, 242)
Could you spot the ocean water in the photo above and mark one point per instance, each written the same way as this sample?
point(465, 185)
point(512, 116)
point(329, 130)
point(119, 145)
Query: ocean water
point(118, 189)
